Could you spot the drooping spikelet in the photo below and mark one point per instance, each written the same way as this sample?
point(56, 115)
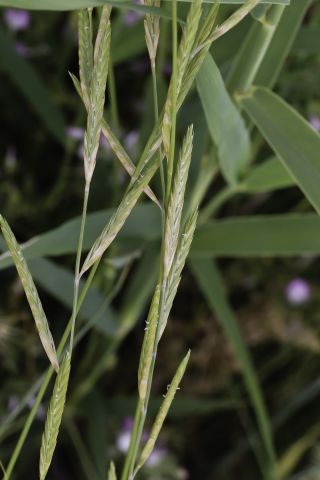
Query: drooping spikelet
point(160, 418)
point(54, 416)
point(31, 294)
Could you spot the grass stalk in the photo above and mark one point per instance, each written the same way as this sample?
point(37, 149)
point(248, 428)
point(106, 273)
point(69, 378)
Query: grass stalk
point(253, 50)
point(77, 267)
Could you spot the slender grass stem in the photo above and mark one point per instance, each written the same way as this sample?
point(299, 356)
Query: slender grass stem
point(174, 99)
point(83, 454)
point(77, 267)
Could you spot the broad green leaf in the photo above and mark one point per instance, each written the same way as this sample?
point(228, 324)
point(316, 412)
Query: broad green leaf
point(58, 282)
point(294, 141)
point(31, 86)
point(225, 124)
point(211, 285)
point(269, 175)
point(281, 43)
point(144, 224)
point(259, 236)
point(76, 4)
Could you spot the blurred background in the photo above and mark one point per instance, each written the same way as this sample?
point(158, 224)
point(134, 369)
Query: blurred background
point(211, 432)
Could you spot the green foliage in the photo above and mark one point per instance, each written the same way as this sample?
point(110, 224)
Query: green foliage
point(249, 165)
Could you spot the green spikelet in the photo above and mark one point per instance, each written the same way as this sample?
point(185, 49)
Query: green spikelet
point(97, 97)
point(152, 30)
point(173, 219)
point(31, 293)
point(148, 344)
point(85, 51)
point(160, 418)
point(177, 267)
point(54, 416)
point(112, 472)
point(119, 217)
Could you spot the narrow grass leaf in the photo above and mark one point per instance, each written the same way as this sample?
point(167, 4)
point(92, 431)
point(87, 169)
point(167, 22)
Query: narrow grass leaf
point(225, 124)
point(62, 5)
point(259, 236)
point(54, 416)
point(31, 294)
point(267, 176)
point(148, 344)
point(173, 218)
point(160, 418)
point(294, 141)
point(210, 283)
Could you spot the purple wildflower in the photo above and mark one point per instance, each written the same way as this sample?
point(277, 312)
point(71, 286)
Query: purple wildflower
point(130, 141)
point(22, 49)
point(315, 122)
point(131, 18)
point(76, 133)
point(297, 291)
point(17, 19)
point(157, 456)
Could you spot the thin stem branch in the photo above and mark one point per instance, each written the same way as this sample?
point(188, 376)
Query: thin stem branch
point(77, 267)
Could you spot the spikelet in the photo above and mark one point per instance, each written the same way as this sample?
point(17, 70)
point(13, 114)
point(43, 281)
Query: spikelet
point(188, 39)
point(148, 344)
point(200, 48)
point(112, 472)
point(160, 418)
point(173, 218)
point(31, 293)
point(124, 158)
point(116, 146)
point(119, 217)
point(177, 267)
point(85, 51)
point(183, 57)
point(54, 416)
point(152, 30)
point(97, 97)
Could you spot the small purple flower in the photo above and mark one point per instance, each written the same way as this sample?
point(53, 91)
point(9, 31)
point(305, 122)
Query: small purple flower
point(22, 49)
point(315, 122)
point(157, 456)
point(297, 291)
point(76, 133)
point(123, 439)
point(17, 19)
point(131, 18)
point(130, 141)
